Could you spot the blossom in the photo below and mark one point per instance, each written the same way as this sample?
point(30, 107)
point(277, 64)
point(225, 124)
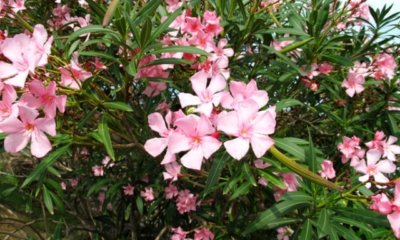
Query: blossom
point(249, 126)
point(325, 68)
point(390, 149)
point(17, 5)
point(242, 92)
point(40, 96)
point(172, 171)
point(353, 83)
point(25, 54)
point(28, 128)
point(377, 142)
point(384, 66)
point(206, 96)
point(328, 172)
point(128, 190)
point(375, 168)
point(203, 234)
point(260, 164)
point(178, 234)
point(156, 146)
point(279, 45)
point(147, 194)
point(98, 170)
point(350, 148)
point(154, 88)
point(394, 217)
point(171, 191)
point(262, 181)
point(193, 135)
point(186, 201)
point(73, 74)
point(284, 233)
point(381, 203)
point(8, 109)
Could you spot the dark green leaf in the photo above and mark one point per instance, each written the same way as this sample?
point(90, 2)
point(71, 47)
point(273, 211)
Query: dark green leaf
point(47, 200)
point(307, 231)
point(118, 105)
point(104, 135)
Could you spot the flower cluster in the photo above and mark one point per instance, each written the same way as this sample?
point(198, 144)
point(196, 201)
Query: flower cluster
point(21, 119)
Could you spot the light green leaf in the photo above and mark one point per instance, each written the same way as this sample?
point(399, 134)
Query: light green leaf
point(118, 105)
point(104, 135)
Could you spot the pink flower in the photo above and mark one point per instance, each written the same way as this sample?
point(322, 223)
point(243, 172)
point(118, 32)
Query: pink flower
point(171, 191)
point(154, 88)
point(17, 5)
point(147, 194)
point(178, 234)
point(249, 127)
point(283, 233)
point(212, 23)
point(98, 170)
point(128, 190)
point(260, 164)
point(325, 68)
point(186, 201)
point(390, 149)
point(313, 72)
point(384, 66)
point(279, 45)
point(328, 172)
point(207, 97)
point(262, 181)
point(25, 54)
point(192, 25)
point(172, 5)
point(106, 162)
point(99, 65)
point(242, 92)
point(28, 128)
point(73, 75)
point(377, 142)
point(381, 204)
point(194, 135)
point(394, 217)
point(203, 234)
point(8, 109)
point(350, 148)
point(172, 171)
point(291, 182)
point(375, 168)
point(40, 96)
point(354, 83)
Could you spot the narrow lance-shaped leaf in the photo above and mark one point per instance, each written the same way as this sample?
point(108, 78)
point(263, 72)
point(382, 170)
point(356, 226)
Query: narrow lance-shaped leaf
point(104, 134)
point(110, 12)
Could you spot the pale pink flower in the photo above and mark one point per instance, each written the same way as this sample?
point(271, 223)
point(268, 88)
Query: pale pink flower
point(375, 168)
point(381, 204)
point(249, 126)
point(327, 172)
point(170, 192)
point(203, 41)
point(17, 5)
point(203, 234)
point(74, 74)
point(221, 52)
point(106, 162)
point(384, 66)
point(98, 170)
point(207, 96)
point(40, 96)
point(350, 148)
point(147, 194)
point(25, 54)
point(394, 217)
point(262, 181)
point(28, 128)
point(194, 134)
point(155, 71)
point(291, 182)
point(242, 92)
point(313, 72)
point(390, 149)
point(63, 185)
point(186, 201)
point(354, 83)
point(172, 171)
point(154, 88)
point(173, 5)
point(279, 45)
point(283, 233)
point(178, 234)
point(260, 164)
point(377, 142)
point(8, 109)
point(156, 146)
point(128, 190)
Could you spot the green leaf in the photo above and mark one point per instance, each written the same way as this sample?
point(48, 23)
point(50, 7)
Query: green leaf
point(353, 222)
point(284, 103)
point(166, 23)
point(104, 135)
point(95, 188)
point(242, 190)
point(215, 172)
point(346, 233)
point(249, 174)
point(146, 33)
point(147, 11)
point(307, 231)
point(168, 61)
point(47, 200)
point(323, 223)
point(276, 181)
point(275, 212)
point(363, 215)
point(311, 156)
point(291, 31)
point(290, 147)
point(139, 204)
point(295, 45)
point(98, 54)
point(185, 49)
point(91, 29)
point(118, 105)
point(44, 164)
